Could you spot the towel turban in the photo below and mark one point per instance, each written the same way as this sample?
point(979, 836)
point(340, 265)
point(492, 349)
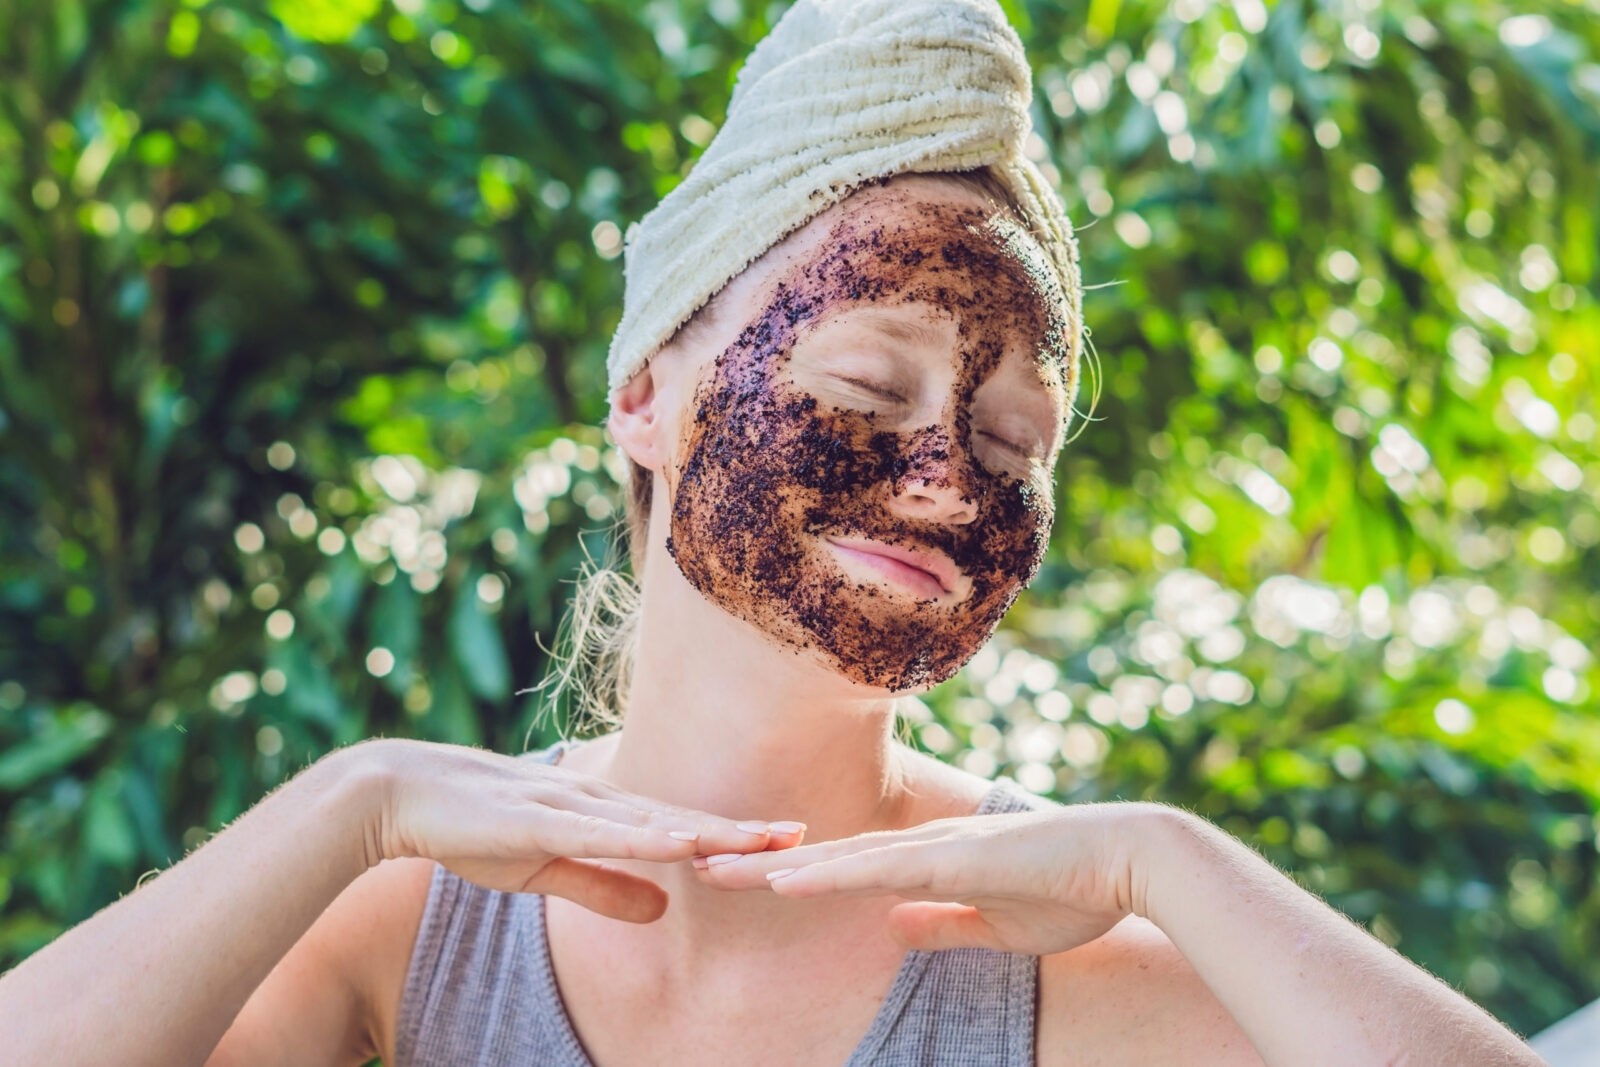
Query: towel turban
point(839, 93)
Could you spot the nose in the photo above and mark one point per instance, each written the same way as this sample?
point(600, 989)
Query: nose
point(935, 480)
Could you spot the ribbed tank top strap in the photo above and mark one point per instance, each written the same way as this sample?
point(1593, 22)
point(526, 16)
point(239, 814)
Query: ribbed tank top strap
point(477, 992)
point(962, 1007)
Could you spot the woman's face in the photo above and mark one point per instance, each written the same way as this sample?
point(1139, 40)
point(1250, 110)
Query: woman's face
point(865, 472)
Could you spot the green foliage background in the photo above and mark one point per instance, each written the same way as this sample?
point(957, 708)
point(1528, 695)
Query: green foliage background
point(303, 310)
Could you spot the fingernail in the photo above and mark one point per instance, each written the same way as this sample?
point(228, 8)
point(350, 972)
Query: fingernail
point(683, 835)
point(788, 827)
point(698, 862)
point(773, 876)
point(725, 857)
point(752, 827)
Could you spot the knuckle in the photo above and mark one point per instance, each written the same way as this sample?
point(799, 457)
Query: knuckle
point(584, 833)
point(639, 818)
point(590, 825)
point(541, 793)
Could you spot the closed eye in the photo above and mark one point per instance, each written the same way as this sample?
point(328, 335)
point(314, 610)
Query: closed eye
point(1007, 443)
point(882, 392)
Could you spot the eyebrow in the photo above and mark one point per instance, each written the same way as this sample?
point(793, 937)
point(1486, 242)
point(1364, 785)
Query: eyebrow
point(905, 331)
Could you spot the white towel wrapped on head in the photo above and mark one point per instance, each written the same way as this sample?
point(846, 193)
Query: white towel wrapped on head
point(840, 92)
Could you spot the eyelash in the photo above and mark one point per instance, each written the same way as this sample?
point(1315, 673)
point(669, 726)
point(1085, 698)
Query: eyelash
point(1008, 444)
point(879, 391)
point(875, 390)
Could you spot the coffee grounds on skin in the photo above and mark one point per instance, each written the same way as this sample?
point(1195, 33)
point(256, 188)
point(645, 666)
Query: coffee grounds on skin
point(768, 471)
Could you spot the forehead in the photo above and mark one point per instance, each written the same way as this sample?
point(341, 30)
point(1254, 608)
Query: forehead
point(930, 265)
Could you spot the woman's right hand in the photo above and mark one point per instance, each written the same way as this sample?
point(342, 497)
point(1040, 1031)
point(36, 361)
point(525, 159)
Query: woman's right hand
point(517, 825)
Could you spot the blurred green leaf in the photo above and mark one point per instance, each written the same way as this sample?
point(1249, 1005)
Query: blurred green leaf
point(67, 735)
point(107, 831)
point(479, 649)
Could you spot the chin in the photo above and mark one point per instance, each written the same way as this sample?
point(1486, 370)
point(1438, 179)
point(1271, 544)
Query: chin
point(880, 671)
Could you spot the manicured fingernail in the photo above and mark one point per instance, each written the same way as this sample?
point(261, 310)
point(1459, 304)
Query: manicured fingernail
point(725, 857)
point(773, 876)
point(683, 835)
point(698, 862)
point(752, 827)
point(788, 827)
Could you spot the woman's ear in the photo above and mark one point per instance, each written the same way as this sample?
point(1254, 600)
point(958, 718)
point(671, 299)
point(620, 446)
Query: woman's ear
point(637, 421)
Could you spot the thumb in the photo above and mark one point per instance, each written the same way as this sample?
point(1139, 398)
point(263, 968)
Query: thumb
point(602, 889)
point(929, 925)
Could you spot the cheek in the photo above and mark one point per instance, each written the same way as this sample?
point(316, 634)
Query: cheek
point(1008, 542)
point(841, 454)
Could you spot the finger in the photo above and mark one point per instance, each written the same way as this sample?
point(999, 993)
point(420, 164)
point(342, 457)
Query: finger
point(581, 836)
point(715, 833)
point(907, 868)
point(786, 834)
point(711, 832)
point(734, 870)
point(610, 892)
point(929, 926)
point(750, 871)
point(899, 868)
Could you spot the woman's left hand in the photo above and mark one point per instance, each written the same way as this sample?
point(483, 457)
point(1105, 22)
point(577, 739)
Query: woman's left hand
point(1304, 984)
point(1036, 882)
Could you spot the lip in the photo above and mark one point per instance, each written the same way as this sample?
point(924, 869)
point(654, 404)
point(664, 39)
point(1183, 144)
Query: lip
point(931, 573)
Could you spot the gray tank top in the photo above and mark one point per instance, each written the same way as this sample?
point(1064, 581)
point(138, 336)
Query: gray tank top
point(481, 991)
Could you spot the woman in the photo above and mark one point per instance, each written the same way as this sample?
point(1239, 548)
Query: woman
point(842, 482)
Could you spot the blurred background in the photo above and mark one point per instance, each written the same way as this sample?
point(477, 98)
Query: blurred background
point(303, 311)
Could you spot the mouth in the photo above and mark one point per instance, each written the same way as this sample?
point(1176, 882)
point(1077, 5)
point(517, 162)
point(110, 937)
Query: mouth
point(929, 574)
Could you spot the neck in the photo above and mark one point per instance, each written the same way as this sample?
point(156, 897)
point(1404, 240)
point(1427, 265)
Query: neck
point(722, 720)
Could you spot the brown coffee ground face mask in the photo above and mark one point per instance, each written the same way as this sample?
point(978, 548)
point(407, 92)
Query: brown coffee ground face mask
point(768, 472)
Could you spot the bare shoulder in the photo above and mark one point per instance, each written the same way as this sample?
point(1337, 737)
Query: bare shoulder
point(590, 755)
point(937, 789)
point(1130, 997)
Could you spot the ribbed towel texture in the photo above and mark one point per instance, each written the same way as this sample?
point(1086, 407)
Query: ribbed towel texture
point(839, 93)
